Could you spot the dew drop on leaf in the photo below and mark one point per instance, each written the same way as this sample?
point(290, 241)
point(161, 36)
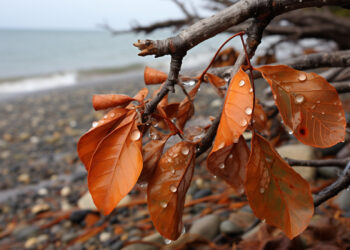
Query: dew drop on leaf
point(244, 122)
point(241, 83)
point(299, 99)
point(163, 204)
point(173, 188)
point(112, 115)
point(222, 166)
point(105, 116)
point(167, 241)
point(173, 171)
point(251, 90)
point(169, 159)
point(221, 145)
point(302, 77)
point(262, 190)
point(235, 140)
point(135, 135)
point(230, 156)
point(185, 150)
point(189, 83)
point(94, 124)
point(248, 111)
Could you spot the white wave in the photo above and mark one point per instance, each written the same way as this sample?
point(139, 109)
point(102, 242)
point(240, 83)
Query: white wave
point(34, 84)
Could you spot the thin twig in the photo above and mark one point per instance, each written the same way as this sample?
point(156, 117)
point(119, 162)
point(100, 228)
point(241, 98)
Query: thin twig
point(318, 163)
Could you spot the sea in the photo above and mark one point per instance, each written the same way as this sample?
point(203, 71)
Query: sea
point(34, 60)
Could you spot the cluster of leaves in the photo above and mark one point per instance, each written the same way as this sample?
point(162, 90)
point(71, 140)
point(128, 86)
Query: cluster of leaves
point(122, 149)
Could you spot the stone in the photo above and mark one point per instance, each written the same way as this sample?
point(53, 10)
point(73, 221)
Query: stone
point(86, 202)
point(125, 201)
point(79, 215)
point(202, 193)
point(30, 243)
point(299, 152)
point(22, 233)
point(65, 191)
point(229, 227)
point(207, 226)
point(104, 236)
point(24, 178)
point(43, 191)
point(39, 208)
point(43, 238)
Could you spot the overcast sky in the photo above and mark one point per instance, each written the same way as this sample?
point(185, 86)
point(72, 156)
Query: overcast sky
point(84, 14)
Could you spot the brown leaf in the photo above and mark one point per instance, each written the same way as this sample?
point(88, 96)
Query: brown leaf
point(309, 105)
point(167, 189)
point(110, 101)
point(89, 141)
point(229, 163)
point(151, 154)
point(113, 172)
point(154, 76)
point(276, 193)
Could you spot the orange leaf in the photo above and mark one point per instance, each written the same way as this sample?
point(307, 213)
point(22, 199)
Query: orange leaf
point(275, 191)
point(236, 113)
point(151, 154)
point(260, 119)
point(110, 100)
point(154, 76)
point(89, 141)
point(167, 189)
point(141, 95)
point(116, 164)
point(217, 83)
point(229, 163)
point(308, 104)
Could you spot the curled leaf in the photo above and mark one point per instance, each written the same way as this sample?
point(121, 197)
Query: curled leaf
point(88, 143)
point(154, 76)
point(309, 105)
point(167, 189)
point(276, 193)
point(113, 172)
point(217, 83)
point(110, 101)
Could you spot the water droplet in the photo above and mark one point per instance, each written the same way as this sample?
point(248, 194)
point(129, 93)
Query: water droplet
point(94, 124)
point(251, 90)
point(235, 140)
point(340, 114)
point(105, 116)
point(154, 137)
point(189, 83)
point(221, 145)
point(290, 131)
point(299, 99)
point(318, 101)
point(322, 113)
point(173, 171)
point(135, 135)
point(215, 177)
point(163, 204)
point(262, 190)
point(222, 166)
point(185, 150)
point(312, 116)
point(167, 241)
point(143, 184)
point(313, 106)
point(112, 115)
point(169, 159)
point(156, 125)
point(302, 77)
point(173, 188)
point(262, 117)
point(230, 156)
point(244, 122)
point(241, 83)
point(248, 111)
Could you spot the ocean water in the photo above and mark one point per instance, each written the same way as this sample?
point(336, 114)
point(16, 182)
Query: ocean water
point(32, 60)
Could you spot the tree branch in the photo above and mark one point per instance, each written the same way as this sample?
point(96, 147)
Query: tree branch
point(332, 190)
point(318, 163)
point(233, 15)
